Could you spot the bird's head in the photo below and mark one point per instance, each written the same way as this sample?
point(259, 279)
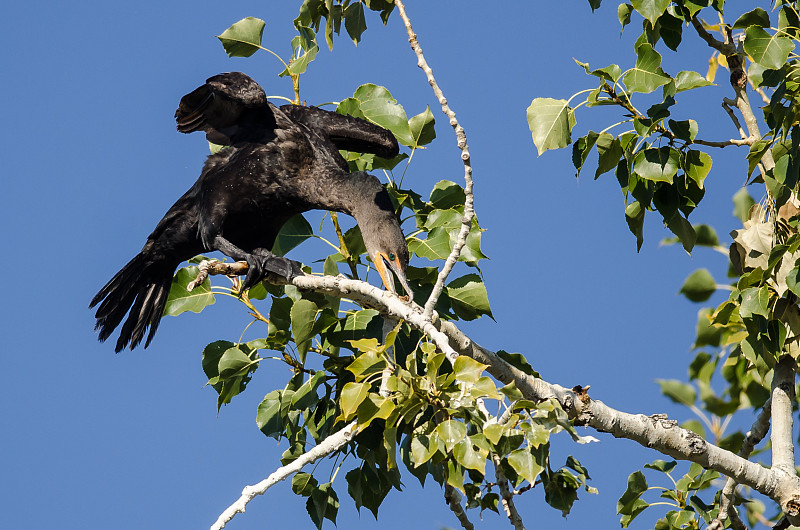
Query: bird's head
point(391, 259)
point(383, 237)
point(239, 87)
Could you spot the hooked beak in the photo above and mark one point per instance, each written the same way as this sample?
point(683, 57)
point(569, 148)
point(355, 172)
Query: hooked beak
point(386, 267)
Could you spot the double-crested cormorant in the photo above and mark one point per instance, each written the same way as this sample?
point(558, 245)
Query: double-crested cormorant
point(280, 162)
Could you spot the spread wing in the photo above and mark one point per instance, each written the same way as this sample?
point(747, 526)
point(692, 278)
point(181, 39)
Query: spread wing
point(217, 107)
point(346, 132)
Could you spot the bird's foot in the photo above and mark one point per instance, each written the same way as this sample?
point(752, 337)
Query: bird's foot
point(259, 265)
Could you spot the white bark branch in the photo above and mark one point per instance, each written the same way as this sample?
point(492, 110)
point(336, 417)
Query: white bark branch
point(655, 432)
point(782, 399)
point(331, 444)
point(461, 137)
point(753, 437)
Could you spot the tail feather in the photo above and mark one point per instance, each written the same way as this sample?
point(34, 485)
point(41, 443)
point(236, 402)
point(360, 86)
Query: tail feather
point(139, 290)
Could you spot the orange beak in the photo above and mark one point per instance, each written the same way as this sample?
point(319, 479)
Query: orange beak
point(386, 267)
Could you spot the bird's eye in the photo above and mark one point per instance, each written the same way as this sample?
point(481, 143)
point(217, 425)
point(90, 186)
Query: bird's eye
point(391, 257)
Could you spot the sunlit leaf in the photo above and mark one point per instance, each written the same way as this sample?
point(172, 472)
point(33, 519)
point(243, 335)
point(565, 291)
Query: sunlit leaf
point(243, 39)
point(770, 51)
point(550, 122)
point(181, 300)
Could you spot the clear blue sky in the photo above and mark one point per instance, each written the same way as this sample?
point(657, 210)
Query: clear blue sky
point(92, 160)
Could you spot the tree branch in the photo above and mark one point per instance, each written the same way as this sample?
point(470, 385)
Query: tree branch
point(506, 494)
point(753, 437)
point(453, 499)
point(655, 432)
point(331, 444)
point(782, 399)
point(461, 137)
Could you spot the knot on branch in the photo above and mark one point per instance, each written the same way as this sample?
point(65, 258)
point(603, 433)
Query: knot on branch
point(792, 507)
point(738, 74)
point(697, 444)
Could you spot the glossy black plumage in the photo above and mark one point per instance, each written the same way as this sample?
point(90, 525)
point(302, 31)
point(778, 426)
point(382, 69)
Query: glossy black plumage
point(280, 162)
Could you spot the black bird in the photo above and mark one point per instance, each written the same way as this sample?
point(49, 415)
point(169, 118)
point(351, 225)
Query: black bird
point(280, 162)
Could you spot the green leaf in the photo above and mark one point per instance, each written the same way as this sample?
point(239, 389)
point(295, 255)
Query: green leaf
point(650, 9)
point(435, 246)
point(755, 301)
point(756, 17)
point(451, 432)
point(466, 455)
point(697, 164)
point(233, 362)
point(374, 407)
point(421, 127)
point(678, 392)
point(322, 504)
point(303, 314)
point(699, 286)
point(447, 194)
point(304, 50)
point(609, 152)
point(634, 216)
point(647, 75)
point(682, 228)
point(269, 418)
point(657, 164)
point(243, 39)
point(180, 300)
point(742, 202)
point(687, 80)
point(377, 105)
point(467, 369)
point(292, 233)
point(306, 397)
point(793, 280)
point(661, 465)
point(550, 122)
point(624, 12)
point(560, 490)
point(770, 51)
point(637, 485)
point(353, 394)
point(525, 464)
point(354, 21)
point(303, 484)
point(468, 297)
point(685, 130)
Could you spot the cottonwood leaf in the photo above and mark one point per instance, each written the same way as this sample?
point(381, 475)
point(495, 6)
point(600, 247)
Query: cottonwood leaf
point(770, 51)
point(551, 122)
point(650, 9)
point(180, 300)
point(647, 75)
point(468, 297)
point(525, 464)
point(292, 233)
point(421, 127)
point(756, 17)
point(657, 164)
point(687, 80)
point(243, 38)
point(699, 286)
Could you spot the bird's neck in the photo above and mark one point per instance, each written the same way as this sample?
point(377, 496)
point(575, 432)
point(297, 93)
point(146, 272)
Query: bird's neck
point(359, 195)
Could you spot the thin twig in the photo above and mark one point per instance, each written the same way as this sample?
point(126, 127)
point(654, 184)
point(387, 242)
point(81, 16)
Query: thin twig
point(461, 137)
point(331, 444)
point(506, 493)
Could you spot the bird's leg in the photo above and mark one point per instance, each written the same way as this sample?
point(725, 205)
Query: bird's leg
point(259, 262)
